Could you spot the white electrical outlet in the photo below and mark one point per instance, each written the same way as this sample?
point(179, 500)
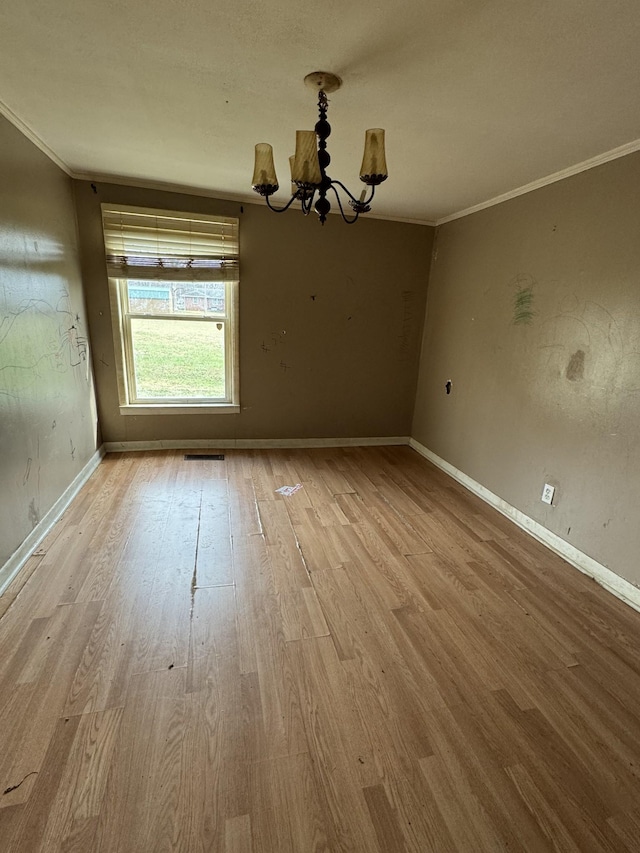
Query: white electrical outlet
point(547, 493)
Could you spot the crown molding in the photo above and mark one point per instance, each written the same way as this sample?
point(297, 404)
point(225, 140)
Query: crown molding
point(32, 136)
point(429, 223)
point(591, 163)
point(161, 186)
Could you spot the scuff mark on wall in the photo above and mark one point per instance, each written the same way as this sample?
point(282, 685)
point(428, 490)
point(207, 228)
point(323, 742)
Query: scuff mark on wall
point(34, 515)
point(277, 339)
point(27, 471)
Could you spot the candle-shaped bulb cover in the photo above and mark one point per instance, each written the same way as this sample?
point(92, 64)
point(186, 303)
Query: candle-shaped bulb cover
point(265, 181)
point(306, 166)
point(374, 163)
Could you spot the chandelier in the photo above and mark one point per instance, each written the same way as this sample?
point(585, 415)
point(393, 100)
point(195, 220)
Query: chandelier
point(310, 183)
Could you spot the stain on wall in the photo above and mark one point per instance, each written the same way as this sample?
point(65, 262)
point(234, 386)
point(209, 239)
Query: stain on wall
point(575, 368)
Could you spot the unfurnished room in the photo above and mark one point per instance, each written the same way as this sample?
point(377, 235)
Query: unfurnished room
point(319, 443)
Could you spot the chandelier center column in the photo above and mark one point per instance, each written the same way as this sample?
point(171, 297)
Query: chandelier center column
point(323, 131)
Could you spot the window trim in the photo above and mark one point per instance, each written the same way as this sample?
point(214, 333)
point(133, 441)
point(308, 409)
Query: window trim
point(167, 406)
point(124, 355)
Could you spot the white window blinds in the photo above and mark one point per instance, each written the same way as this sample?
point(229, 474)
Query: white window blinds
point(170, 246)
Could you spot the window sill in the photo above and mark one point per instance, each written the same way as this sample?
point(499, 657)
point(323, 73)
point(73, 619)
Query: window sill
point(180, 409)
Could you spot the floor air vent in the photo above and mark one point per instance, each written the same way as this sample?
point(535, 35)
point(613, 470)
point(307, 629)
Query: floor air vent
point(217, 456)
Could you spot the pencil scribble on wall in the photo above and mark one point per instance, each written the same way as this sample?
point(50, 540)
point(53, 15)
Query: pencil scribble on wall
point(272, 342)
point(38, 338)
point(523, 298)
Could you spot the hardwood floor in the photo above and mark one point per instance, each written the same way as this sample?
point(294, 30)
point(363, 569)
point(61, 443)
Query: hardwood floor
point(378, 663)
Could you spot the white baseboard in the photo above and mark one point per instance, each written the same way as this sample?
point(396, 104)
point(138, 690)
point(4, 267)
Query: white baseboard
point(30, 544)
point(612, 582)
point(252, 443)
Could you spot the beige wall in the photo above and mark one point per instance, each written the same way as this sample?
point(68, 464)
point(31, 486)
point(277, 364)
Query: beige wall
point(338, 309)
point(47, 408)
point(554, 397)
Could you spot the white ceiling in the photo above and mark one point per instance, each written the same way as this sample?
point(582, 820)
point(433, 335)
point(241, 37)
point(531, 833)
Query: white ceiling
point(478, 97)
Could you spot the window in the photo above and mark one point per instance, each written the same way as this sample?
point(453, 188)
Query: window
point(173, 280)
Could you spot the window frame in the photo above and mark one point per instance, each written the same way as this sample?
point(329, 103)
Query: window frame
point(121, 316)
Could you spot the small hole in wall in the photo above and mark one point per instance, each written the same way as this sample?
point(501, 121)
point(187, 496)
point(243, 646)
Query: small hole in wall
point(448, 384)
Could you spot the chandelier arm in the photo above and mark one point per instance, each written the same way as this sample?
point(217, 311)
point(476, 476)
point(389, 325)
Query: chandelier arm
point(340, 184)
point(352, 197)
point(280, 209)
point(348, 221)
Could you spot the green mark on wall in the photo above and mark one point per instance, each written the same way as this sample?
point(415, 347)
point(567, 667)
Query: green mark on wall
point(523, 312)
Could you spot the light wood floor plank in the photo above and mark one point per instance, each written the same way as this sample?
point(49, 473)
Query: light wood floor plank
point(284, 806)
point(82, 785)
point(214, 563)
point(238, 834)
